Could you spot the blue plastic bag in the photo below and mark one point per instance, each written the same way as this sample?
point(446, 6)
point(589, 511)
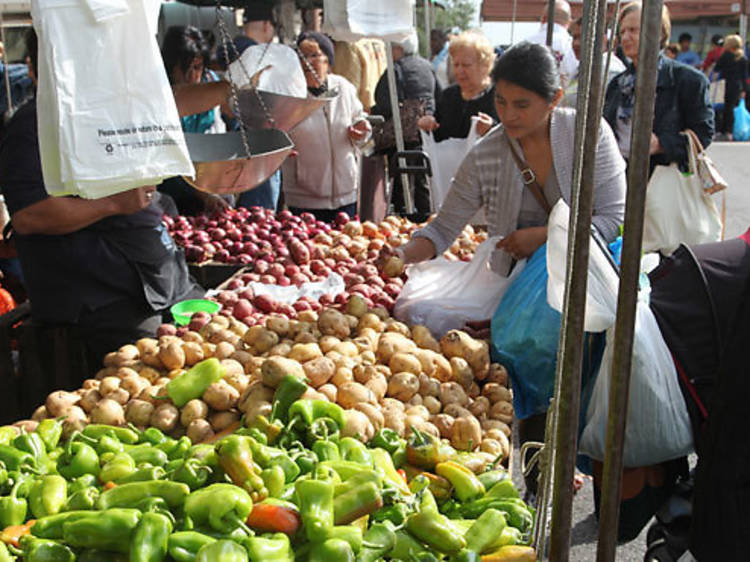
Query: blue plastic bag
point(525, 333)
point(741, 131)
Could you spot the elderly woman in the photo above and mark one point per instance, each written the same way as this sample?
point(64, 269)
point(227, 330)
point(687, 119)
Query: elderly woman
point(322, 179)
point(681, 97)
point(732, 67)
point(472, 56)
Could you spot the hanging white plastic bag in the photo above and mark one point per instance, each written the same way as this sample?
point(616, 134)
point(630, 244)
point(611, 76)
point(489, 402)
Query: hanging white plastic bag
point(279, 66)
point(106, 107)
point(443, 295)
point(350, 20)
point(445, 158)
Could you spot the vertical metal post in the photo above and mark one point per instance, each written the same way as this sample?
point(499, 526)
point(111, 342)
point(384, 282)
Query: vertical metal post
point(427, 25)
point(397, 129)
point(743, 22)
point(513, 22)
point(570, 356)
point(638, 171)
point(550, 21)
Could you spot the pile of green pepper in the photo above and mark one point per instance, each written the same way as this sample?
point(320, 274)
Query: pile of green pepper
point(290, 487)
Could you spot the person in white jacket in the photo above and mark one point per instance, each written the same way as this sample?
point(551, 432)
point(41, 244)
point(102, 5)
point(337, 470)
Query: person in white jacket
point(322, 178)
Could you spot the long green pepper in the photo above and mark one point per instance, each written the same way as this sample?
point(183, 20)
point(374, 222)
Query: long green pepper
point(150, 541)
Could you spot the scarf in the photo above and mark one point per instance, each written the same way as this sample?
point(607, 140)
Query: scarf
point(626, 86)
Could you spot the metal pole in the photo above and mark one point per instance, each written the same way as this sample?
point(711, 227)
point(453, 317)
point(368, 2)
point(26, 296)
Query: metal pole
point(550, 21)
point(743, 21)
point(570, 356)
point(427, 25)
point(638, 171)
point(397, 130)
point(513, 22)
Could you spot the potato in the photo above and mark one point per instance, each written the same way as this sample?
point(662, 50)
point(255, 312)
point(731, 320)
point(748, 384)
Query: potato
point(327, 343)
point(151, 374)
point(498, 374)
point(108, 412)
point(307, 316)
point(342, 376)
point(352, 393)
point(105, 372)
point(461, 372)
point(357, 425)
point(496, 393)
point(223, 350)
point(420, 411)
point(363, 373)
point(172, 355)
point(393, 404)
point(424, 339)
point(200, 430)
point(124, 372)
point(396, 421)
point(128, 352)
point(281, 348)
point(378, 384)
point(444, 423)
point(404, 362)
point(165, 417)
point(347, 349)
point(89, 399)
point(40, 413)
point(329, 391)
point(119, 395)
point(502, 411)
point(312, 394)
point(390, 343)
point(456, 343)
point(370, 321)
point(466, 434)
point(222, 420)
point(303, 352)
point(147, 345)
point(353, 321)
point(138, 412)
point(373, 413)
point(495, 425)
point(193, 410)
point(238, 381)
point(90, 383)
point(76, 420)
point(501, 439)
point(152, 360)
point(191, 336)
point(331, 322)
point(394, 267)
point(60, 402)
point(275, 368)
point(133, 384)
point(432, 404)
point(473, 391)
point(257, 409)
point(428, 386)
point(456, 411)
point(415, 400)
point(319, 371)
point(452, 393)
point(26, 426)
point(278, 324)
point(403, 386)
point(221, 396)
point(393, 325)
point(356, 306)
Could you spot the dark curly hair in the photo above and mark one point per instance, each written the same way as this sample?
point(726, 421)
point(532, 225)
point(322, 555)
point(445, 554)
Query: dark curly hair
point(182, 44)
point(530, 66)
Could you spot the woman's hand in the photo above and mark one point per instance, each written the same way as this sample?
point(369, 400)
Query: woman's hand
point(524, 242)
point(428, 123)
point(484, 123)
point(358, 131)
point(654, 146)
point(213, 203)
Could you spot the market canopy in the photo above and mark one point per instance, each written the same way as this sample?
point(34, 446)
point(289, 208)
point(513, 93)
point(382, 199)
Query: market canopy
point(531, 10)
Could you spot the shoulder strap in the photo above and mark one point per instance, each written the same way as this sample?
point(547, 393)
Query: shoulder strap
point(529, 178)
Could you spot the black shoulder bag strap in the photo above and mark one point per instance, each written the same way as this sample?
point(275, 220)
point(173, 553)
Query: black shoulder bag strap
point(529, 178)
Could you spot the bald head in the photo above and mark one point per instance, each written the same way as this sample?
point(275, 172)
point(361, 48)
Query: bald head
point(562, 13)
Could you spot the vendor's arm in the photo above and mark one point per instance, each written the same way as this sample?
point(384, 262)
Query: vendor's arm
point(523, 242)
point(63, 215)
point(197, 98)
point(610, 185)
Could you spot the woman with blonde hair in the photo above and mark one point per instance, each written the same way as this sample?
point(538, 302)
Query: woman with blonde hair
point(732, 67)
point(472, 57)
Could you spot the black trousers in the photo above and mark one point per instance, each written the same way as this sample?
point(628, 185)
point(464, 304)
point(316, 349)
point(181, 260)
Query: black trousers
point(731, 97)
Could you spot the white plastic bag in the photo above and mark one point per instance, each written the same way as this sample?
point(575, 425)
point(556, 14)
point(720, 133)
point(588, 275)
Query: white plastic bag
point(331, 285)
point(281, 70)
point(445, 158)
point(107, 117)
point(444, 295)
point(350, 20)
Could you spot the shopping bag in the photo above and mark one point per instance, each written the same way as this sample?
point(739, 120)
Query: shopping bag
point(272, 67)
point(107, 117)
point(716, 92)
point(678, 210)
point(445, 158)
point(443, 295)
point(525, 332)
point(741, 130)
point(351, 20)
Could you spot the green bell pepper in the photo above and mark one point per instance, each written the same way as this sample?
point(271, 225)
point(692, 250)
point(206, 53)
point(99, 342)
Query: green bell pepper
point(96, 555)
point(145, 473)
point(397, 514)
point(378, 541)
point(236, 458)
point(184, 545)
point(326, 451)
point(305, 459)
point(223, 507)
point(81, 483)
point(4, 554)
point(16, 459)
point(48, 495)
point(353, 450)
point(82, 499)
point(425, 451)
point(354, 482)
point(126, 495)
point(332, 549)
point(77, 460)
point(106, 530)
point(147, 454)
point(118, 467)
point(8, 433)
point(192, 472)
point(273, 480)
point(51, 527)
point(12, 508)
point(222, 550)
point(315, 500)
point(503, 490)
point(50, 431)
point(406, 547)
point(436, 531)
point(349, 533)
point(516, 512)
point(491, 477)
point(271, 548)
point(150, 541)
point(122, 434)
point(152, 435)
point(45, 550)
point(194, 382)
point(357, 503)
point(466, 485)
point(32, 443)
point(289, 390)
point(483, 535)
point(390, 441)
point(387, 471)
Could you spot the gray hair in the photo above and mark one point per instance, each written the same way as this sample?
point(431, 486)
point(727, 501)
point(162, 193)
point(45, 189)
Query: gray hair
point(410, 45)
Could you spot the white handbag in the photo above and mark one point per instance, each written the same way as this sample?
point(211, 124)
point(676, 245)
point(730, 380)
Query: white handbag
point(716, 91)
point(679, 207)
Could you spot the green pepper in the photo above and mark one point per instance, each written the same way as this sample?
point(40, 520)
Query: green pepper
point(50, 431)
point(502, 490)
point(387, 439)
point(145, 473)
point(483, 535)
point(106, 530)
point(353, 450)
point(315, 500)
point(77, 460)
point(440, 487)
point(125, 495)
point(4, 554)
point(326, 451)
point(396, 514)
point(155, 505)
point(425, 451)
point(466, 485)
point(289, 390)
point(305, 459)
point(96, 555)
point(356, 503)
point(222, 550)
point(406, 547)
point(223, 507)
point(51, 527)
point(117, 468)
point(321, 429)
point(205, 453)
point(149, 454)
point(152, 435)
point(354, 482)
point(7, 434)
point(466, 556)
point(122, 434)
point(332, 549)
point(273, 480)
point(509, 536)
point(184, 545)
point(269, 429)
point(236, 458)
point(349, 533)
point(491, 477)
point(4, 477)
point(12, 508)
point(345, 469)
point(15, 459)
point(378, 541)
point(105, 444)
point(271, 548)
point(82, 499)
point(192, 472)
point(436, 531)
point(384, 467)
point(45, 550)
point(150, 541)
point(310, 410)
point(516, 512)
point(81, 483)
point(48, 495)
point(32, 443)
point(194, 382)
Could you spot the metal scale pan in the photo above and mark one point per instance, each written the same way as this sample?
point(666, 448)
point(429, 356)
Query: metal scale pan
point(222, 165)
point(286, 111)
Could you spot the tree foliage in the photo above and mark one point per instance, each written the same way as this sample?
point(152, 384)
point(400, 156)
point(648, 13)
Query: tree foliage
point(457, 13)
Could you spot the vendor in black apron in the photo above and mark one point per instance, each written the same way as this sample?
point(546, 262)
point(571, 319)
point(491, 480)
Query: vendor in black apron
point(106, 265)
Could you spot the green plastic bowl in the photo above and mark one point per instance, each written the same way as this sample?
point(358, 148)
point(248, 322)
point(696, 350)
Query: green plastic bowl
point(182, 311)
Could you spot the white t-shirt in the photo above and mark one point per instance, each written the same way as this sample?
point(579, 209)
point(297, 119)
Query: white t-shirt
point(562, 46)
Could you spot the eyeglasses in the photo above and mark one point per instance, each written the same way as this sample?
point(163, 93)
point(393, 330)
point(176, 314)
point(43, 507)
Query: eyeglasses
point(318, 55)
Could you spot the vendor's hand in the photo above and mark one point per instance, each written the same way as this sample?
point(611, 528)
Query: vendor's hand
point(479, 329)
point(655, 146)
point(132, 201)
point(359, 130)
point(428, 123)
point(524, 242)
point(484, 123)
point(386, 252)
point(213, 204)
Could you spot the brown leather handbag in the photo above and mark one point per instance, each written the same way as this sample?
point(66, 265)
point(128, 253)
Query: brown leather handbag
point(383, 133)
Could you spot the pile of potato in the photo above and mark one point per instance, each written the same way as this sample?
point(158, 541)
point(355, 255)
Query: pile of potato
point(383, 373)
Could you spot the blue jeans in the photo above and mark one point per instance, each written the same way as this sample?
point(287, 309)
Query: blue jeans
point(266, 195)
